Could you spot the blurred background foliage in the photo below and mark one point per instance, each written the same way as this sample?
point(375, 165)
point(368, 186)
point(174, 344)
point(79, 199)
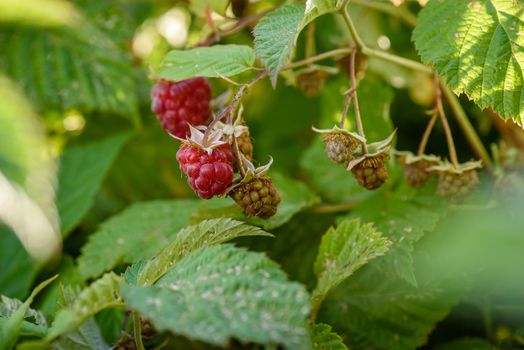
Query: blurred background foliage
point(74, 85)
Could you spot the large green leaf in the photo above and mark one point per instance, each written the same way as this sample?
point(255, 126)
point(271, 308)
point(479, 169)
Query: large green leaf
point(139, 232)
point(342, 252)
point(82, 170)
point(220, 292)
point(17, 268)
point(373, 309)
point(324, 339)
point(477, 46)
point(63, 68)
point(214, 62)
point(189, 239)
point(12, 324)
point(403, 216)
point(276, 35)
point(295, 198)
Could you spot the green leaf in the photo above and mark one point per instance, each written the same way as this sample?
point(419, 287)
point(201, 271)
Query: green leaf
point(86, 337)
point(403, 216)
point(101, 294)
point(275, 37)
point(34, 323)
point(11, 326)
point(38, 12)
point(213, 62)
point(139, 232)
point(71, 68)
point(82, 170)
point(295, 198)
point(342, 252)
point(375, 310)
point(17, 269)
point(476, 46)
point(324, 339)
point(220, 292)
point(189, 239)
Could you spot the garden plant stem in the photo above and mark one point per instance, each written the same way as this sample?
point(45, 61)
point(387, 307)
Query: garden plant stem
point(137, 330)
point(447, 130)
point(358, 118)
point(427, 132)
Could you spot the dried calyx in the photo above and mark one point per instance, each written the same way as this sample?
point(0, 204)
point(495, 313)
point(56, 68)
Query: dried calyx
point(457, 181)
point(255, 193)
point(415, 167)
point(241, 133)
point(341, 145)
point(369, 168)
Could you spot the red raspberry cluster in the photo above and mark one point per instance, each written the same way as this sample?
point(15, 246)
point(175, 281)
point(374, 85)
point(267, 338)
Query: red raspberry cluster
point(178, 104)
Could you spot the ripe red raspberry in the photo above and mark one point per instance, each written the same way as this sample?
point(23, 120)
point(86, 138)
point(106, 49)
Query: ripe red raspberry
point(177, 104)
point(209, 174)
point(257, 197)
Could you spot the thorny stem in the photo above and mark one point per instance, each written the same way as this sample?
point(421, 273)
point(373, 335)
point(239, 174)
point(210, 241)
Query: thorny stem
point(427, 132)
point(440, 110)
point(358, 119)
point(137, 330)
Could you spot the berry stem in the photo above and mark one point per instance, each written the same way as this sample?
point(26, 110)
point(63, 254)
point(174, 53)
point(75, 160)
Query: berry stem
point(427, 132)
point(353, 77)
point(347, 102)
point(467, 129)
point(440, 110)
point(233, 105)
point(238, 157)
point(137, 330)
point(352, 30)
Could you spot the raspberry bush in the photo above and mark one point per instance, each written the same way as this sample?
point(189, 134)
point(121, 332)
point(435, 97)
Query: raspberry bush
point(261, 174)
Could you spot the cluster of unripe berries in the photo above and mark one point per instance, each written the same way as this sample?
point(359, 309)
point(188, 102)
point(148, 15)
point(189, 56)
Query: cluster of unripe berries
point(366, 162)
point(368, 165)
point(455, 182)
point(206, 156)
